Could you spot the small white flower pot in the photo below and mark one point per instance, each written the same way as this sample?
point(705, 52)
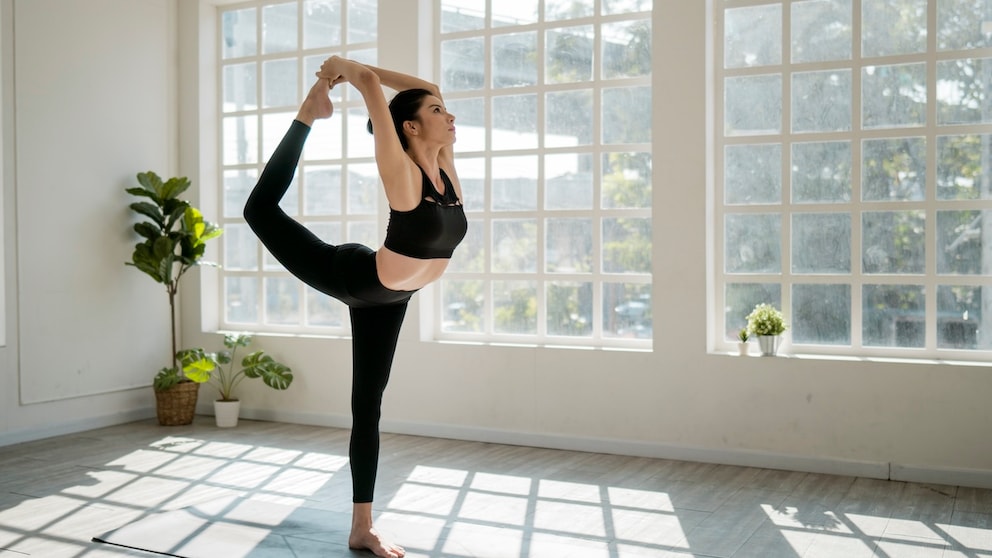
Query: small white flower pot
point(743, 347)
point(226, 413)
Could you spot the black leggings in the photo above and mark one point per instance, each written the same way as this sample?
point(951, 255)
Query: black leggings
point(347, 273)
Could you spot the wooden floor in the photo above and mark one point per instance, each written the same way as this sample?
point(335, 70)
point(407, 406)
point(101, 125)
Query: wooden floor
point(476, 499)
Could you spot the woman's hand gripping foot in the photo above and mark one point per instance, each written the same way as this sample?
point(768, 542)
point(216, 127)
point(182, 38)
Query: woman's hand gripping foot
point(317, 105)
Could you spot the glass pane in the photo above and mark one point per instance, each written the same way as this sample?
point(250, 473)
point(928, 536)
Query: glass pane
point(753, 244)
point(239, 30)
point(821, 314)
point(470, 121)
point(568, 54)
point(752, 174)
point(363, 189)
point(240, 139)
point(959, 318)
point(626, 180)
point(274, 126)
point(363, 21)
point(515, 60)
point(518, 12)
point(963, 91)
point(321, 23)
point(894, 96)
point(627, 310)
point(322, 190)
point(462, 15)
point(821, 30)
point(893, 242)
point(363, 232)
point(279, 83)
point(893, 316)
point(963, 242)
point(752, 36)
point(570, 309)
point(821, 101)
point(514, 122)
point(240, 248)
point(752, 105)
point(514, 183)
point(463, 306)
point(821, 243)
point(627, 115)
point(279, 28)
point(962, 172)
point(514, 245)
point(568, 117)
point(329, 232)
point(515, 307)
point(893, 169)
point(470, 257)
point(241, 300)
point(324, 311)
point(740, 300)
point(282, 300)
point(569, 245)
point(893, 27)
point(821, 172)
point(962, 24)
point(625, 6)
point(555, 10)
point(627, 245)
point(472, 174)
point(358, 142)
point(237, 186)
point(240, 81)
point(463, 62)
point(325, 140)
point(568, 181)
point(626, 49)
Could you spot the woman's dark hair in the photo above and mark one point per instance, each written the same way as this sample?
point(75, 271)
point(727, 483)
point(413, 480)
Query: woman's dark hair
point(403, 107)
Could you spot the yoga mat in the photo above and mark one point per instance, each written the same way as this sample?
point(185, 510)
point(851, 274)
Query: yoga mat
point(234, 528)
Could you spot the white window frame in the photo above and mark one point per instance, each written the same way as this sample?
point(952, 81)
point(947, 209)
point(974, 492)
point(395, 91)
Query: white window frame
point(931, 130)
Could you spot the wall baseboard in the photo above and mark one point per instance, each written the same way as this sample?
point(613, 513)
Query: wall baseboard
point(975, 478)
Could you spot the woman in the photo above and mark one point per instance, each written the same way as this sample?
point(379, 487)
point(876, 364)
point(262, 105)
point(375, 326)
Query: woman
point(413, 137)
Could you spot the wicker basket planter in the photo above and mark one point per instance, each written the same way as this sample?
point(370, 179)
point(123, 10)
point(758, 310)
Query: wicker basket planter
point(177, 405)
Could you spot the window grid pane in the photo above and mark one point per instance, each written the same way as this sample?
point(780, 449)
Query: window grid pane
point(553, 105)
point(852, 175)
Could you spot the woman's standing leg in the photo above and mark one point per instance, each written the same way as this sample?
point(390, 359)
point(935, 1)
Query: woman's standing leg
point(374, 334)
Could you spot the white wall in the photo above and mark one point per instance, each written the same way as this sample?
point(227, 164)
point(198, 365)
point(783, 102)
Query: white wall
point(88, 101)
point(924, 421)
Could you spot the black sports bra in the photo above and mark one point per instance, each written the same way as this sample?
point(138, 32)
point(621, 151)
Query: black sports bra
point(433, 228)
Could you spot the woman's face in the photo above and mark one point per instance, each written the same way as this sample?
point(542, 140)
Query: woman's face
point(434, 122)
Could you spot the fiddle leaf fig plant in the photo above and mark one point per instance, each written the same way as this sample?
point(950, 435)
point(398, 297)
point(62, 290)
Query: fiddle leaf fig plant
point(222, 370)
point(173, 240)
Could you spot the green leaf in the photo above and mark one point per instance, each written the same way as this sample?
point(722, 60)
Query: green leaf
point(175, 186)
point(276, 375)
point(166, 378)
point(149, 210)
point(147, 230)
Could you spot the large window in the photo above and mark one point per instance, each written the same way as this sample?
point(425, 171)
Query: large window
point(269, 53)
point(553, 107)
point(852, 173)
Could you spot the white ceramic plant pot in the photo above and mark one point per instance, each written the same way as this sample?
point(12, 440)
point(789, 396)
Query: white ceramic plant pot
point(742, 348)
point(226, 413)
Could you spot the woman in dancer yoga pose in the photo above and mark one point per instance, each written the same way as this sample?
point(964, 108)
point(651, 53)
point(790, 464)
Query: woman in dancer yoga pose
point(413, 137)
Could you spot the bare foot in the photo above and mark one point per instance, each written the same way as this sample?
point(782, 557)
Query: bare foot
point(317, 105)
point(369, 539)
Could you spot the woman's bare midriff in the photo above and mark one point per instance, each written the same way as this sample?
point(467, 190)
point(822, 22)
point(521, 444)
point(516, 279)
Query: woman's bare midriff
point(403, 273)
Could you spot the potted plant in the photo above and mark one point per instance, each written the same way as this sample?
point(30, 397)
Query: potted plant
point(742, 337)
point(221, 369)
point(768, 324)
point(174, 236)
